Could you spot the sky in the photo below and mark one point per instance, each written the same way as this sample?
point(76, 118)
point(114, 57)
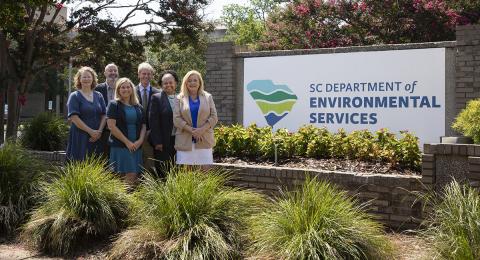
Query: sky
point(212, 12)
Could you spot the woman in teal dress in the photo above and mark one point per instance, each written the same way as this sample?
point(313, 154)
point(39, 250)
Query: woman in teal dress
point(126, 122)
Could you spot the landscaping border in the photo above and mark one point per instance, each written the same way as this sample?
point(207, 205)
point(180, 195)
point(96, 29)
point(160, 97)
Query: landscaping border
point(392, 199)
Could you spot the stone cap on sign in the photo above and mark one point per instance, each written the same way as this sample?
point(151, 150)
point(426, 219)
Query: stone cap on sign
point(452, 149)
point(383, 47)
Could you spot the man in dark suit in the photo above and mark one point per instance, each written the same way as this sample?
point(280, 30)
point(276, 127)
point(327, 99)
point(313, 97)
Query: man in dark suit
point(145, 92)
point(107, 89)
point(161, 122)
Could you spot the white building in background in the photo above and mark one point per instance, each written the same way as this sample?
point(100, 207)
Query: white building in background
point(36, 102)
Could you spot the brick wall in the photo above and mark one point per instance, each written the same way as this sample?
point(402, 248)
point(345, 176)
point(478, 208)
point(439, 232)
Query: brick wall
point(442, 162)
point(55, 158)
point(220, 79)
point(467, 65)
point(391, 196)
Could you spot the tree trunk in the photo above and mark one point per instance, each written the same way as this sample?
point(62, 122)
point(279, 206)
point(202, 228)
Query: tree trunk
point(12, 100)
point(3, 83)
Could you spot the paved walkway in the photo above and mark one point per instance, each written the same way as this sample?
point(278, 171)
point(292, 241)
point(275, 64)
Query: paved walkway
point(16, 252)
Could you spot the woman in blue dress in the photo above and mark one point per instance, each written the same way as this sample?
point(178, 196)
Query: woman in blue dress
point(86, 111)
point(126, 122)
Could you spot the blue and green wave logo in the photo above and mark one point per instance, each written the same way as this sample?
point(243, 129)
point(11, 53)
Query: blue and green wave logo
point(275, 101)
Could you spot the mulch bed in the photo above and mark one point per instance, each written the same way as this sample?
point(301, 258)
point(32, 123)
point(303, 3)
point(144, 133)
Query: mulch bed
point(408, 247)
point(332, 164)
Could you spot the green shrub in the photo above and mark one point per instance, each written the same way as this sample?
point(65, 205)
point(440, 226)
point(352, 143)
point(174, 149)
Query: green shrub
point(83, 202)
point(338, 144)
point(303, 137)
point(253, 135)
point(360, 145)
point(282, 139)
point(468, 121)
point(454, 225)
point(193, 215)
point(311, 141)
point(259, 142)
point(244, 142)
point(319, 221)
point(238, 141)
point(221, 140)
point(19, 175)
point(321, 145)
point(408, 152)
point(386, 146)
point(45, 132)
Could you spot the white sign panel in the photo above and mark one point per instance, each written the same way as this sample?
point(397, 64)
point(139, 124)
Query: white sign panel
point(398, 90)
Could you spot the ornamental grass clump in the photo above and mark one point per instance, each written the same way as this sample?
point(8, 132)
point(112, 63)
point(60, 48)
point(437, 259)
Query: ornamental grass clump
point(82, 202)
point(19, 176)
point(193, 215)
point(318, 221)
point(454, 225)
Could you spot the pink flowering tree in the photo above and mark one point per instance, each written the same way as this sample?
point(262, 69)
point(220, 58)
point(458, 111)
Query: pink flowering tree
point(305, 24)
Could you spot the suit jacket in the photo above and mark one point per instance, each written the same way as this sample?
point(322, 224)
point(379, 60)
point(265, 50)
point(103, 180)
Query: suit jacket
point(153, 91)
point(161, 120)
point(182, 119)
point(102, 88)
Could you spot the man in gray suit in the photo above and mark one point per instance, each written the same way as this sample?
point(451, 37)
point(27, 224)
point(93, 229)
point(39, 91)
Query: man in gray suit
point(107, 89)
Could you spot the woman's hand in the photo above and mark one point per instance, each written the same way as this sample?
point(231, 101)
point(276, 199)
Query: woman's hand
point(197, 133)
point(131, 146)
point(94, 135)
point(138, 144)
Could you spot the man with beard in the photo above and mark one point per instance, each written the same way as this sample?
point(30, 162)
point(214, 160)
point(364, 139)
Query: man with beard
point(107, 89)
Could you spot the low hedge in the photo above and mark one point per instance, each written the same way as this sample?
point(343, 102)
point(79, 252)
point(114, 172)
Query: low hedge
point(309, 141)
point(45, 132)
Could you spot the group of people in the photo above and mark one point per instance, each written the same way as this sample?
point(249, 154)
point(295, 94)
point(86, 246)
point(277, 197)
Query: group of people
point(139, 126)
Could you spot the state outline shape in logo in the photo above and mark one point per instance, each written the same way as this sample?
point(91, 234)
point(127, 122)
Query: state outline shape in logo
point(274, 100)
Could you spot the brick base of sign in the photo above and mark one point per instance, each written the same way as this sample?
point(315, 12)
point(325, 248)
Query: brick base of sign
point(392, 198)
point(443, 162)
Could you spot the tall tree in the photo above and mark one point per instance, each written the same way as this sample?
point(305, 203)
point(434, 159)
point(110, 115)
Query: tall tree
point(319, 24)
point(246, 24)
point(178, 55)
point(31, 39)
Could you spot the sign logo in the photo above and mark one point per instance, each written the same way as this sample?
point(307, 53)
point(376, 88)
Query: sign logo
point(275, 101)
